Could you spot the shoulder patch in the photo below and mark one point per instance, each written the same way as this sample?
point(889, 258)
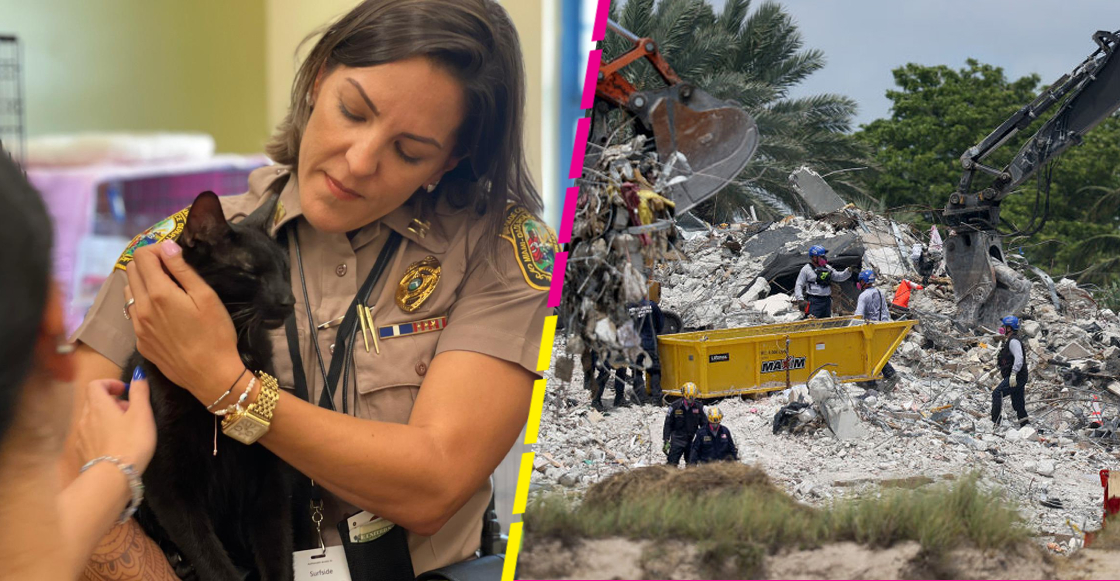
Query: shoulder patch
point(534, 244)
point(168, 229)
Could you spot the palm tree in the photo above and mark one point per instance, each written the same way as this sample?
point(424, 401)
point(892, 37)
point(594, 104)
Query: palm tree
point(753, 59)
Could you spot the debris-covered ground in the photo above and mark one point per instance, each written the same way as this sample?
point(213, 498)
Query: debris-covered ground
point(932, 426)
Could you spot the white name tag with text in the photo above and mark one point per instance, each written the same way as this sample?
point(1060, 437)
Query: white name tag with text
point(314, 565)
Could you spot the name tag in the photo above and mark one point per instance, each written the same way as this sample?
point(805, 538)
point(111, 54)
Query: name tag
point(313, 564)
point(365, 527)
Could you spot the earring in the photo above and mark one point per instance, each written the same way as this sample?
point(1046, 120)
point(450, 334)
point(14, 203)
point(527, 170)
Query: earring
point(431, 187)
point(64, 347)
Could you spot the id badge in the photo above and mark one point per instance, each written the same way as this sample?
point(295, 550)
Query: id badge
point(315, 565)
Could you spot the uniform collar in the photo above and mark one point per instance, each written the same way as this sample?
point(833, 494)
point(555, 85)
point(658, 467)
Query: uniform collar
point(400, 220)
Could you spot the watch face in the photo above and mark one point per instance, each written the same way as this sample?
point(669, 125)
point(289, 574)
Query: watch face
point(246, 429)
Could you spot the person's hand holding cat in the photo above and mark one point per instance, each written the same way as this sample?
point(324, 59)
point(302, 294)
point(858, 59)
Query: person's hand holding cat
point(183, 328)
point(113, 427)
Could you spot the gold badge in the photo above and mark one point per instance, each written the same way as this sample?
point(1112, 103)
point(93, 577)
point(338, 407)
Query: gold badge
point(417, 284)
point(169, 229)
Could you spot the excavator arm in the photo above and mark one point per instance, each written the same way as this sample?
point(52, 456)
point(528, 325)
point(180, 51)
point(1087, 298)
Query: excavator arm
point(986, 288)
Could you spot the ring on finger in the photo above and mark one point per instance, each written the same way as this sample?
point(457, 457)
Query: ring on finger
point(126, 305)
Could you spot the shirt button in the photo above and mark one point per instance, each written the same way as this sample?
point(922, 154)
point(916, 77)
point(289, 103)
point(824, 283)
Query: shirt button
point(421, 368)
point(340, 270)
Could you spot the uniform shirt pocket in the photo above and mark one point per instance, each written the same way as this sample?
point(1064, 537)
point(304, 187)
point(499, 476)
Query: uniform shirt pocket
point(389, 382)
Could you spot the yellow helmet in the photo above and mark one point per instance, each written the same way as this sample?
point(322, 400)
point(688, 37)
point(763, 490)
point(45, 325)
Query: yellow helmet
point(714, 415)
point(690, 391)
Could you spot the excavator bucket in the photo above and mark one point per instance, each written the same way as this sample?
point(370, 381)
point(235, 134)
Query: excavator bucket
point(717, 139)
point(986, 288)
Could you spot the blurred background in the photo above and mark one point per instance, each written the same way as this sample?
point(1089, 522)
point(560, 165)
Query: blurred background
point(121, 111)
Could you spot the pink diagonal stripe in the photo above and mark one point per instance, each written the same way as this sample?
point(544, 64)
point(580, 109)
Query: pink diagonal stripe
point(583, 128)
point(571, 197)
point(594, 59)
point(557, 287)
point(601, 20)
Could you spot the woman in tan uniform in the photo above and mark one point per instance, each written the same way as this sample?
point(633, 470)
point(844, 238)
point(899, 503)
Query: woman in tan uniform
point(404, 128)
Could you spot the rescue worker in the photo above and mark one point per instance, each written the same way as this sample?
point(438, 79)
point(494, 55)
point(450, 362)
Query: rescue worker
point(650, 323)
point(814, 284)
point(1013, 367)
point(601, 374)
point(902, 293)
point(390, 142)
point(713, 443)
point(685, 416)
point(872, 306)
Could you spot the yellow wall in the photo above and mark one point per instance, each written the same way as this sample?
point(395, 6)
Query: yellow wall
point(290, 21)
point(144, 65)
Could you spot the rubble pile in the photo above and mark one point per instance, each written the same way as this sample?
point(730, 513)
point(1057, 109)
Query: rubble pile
point(717, 284)
point(932, 425)
point(623, 223)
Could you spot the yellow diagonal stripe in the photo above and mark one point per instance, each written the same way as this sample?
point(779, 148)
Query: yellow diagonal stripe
point(534, 425)
point(512, 548)
point(547, 336)
point(523, 478)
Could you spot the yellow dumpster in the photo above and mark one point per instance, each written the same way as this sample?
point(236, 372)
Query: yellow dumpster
point(756, 359)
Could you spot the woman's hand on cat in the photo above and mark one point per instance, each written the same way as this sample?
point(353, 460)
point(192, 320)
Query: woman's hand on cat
point(114, 427)
point(184, 329)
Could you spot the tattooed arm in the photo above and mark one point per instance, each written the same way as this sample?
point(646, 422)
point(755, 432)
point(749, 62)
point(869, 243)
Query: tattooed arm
point(127, 554)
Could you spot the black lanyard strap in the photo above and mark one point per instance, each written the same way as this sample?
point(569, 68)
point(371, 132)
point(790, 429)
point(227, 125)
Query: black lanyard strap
point(345, 334)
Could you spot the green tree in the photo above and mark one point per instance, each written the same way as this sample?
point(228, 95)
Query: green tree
point(938, 113)
point(754, 58)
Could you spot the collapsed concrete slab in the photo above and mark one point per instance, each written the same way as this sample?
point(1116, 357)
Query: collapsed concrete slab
point(836, 408)
point(818, 196)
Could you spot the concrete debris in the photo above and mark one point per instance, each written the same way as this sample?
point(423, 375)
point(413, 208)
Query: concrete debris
point(815, 192)
point(1075, 351)
point(933, 423)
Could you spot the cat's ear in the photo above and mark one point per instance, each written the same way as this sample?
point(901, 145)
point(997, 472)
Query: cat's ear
point(206, 222)
point(262, 217)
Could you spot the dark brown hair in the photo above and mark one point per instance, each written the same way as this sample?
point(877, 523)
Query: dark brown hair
point(475, 42)
point(25, 255)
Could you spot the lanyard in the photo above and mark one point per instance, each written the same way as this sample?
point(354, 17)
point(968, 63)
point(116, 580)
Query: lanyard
point(347, 331)
point(343, 342)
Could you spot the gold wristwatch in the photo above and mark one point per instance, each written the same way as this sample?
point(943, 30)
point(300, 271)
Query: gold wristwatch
point(248, 425)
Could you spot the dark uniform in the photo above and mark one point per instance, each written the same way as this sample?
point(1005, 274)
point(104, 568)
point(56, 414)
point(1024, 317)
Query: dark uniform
point(601, 375)
point(713, 445)
point(650, 323)
point(681, 424)
point(1007, 363)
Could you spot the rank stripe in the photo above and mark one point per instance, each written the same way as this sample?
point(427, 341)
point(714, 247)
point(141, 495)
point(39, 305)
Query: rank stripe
point(413, 328)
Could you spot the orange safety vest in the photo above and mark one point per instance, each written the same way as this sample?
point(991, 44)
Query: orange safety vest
point(902, 293)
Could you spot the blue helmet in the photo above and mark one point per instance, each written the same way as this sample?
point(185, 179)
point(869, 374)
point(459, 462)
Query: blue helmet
point(1011, 322)
point(817, 250)
point(867, 276)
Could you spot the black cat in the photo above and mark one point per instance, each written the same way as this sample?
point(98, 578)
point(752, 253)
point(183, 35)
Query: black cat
point(231, 511)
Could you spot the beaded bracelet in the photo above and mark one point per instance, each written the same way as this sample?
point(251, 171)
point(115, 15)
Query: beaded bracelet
point(211, 406)
point(134, 483)
point(236, 407)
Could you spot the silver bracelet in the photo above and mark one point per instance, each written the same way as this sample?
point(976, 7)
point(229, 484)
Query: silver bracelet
point(236, 407)
point(134, 483)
